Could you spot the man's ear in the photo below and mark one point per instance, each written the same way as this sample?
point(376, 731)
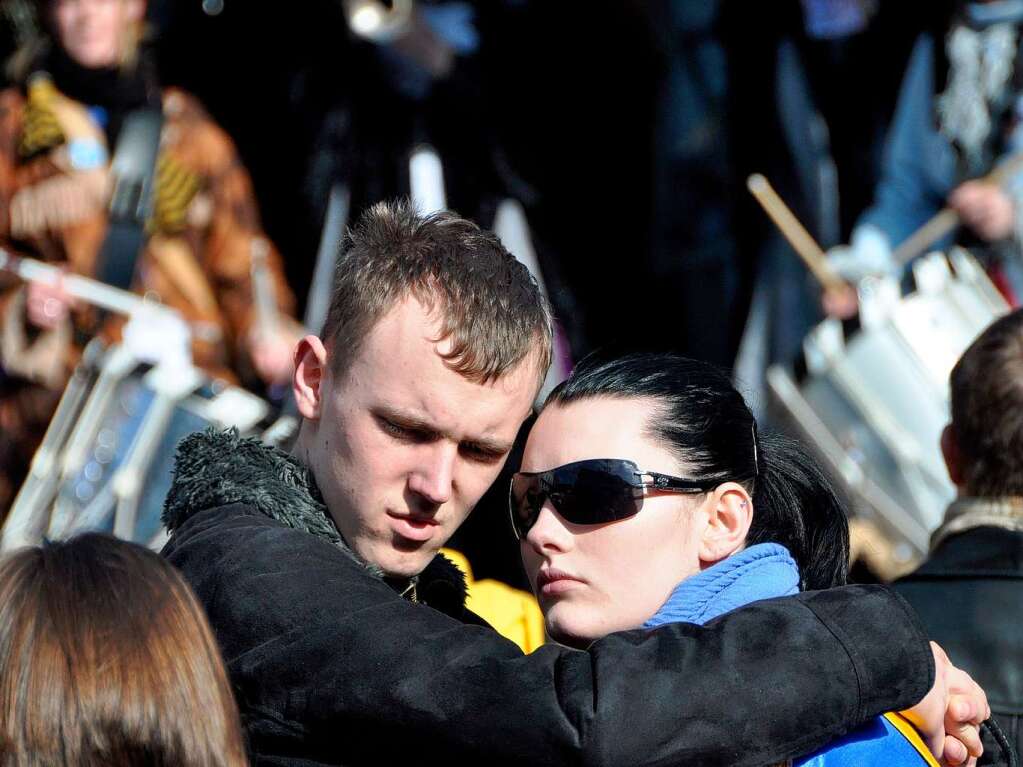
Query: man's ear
point(729, 516)
point(950, 452)
point(310, 374)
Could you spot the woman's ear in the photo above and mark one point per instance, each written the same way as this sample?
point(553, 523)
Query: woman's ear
point(729, 516)
point(307, 383)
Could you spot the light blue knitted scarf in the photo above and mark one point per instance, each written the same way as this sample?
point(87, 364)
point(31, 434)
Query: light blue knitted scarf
point(763, 571)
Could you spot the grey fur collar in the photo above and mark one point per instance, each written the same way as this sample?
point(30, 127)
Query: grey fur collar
point(218, 468)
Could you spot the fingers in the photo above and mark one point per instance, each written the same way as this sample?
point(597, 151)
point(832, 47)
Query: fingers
point(962, 725)
point(967, 708)
point(46, 306)
point(964, 194)
point(928, 716)
point(985, 208)
point(955, 755)
point(971, 200)
point(966, 735)
point(41, 290)
point(970, 194)
point(967, 697)
point(842, 303)
point(990, 224)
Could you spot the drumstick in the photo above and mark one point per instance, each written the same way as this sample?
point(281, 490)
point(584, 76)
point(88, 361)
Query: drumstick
point(263, 290)
point(947, 219)
point(793, 231)
point(91, 291)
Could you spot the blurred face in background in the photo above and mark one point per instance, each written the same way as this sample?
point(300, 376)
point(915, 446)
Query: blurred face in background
point(95, 33)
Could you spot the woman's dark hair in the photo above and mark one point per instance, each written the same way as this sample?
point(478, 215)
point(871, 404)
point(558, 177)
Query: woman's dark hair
point(704, 421)
point(106, 658)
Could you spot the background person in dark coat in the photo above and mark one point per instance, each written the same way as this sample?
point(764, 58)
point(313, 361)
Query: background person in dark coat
point(345, 633)
point(969, 593)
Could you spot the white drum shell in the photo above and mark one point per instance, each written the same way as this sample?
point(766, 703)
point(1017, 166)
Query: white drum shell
point(105, 464)
point(874, 405)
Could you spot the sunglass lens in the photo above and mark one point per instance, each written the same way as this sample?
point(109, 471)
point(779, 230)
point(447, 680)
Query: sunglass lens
point(584, 493)
point(599, 494)
point(525, 500)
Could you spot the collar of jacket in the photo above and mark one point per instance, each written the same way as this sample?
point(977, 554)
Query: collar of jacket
point(967, 513)
point(218, 468)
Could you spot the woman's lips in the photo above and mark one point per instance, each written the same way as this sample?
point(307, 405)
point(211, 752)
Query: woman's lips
point(552, 582)
point(413, 528)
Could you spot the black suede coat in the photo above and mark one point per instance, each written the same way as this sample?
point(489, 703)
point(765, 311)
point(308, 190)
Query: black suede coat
point(332, 666)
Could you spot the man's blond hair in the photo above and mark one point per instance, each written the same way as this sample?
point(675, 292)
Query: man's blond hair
point(487, 303)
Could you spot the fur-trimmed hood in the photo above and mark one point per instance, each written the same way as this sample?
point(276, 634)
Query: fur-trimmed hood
point(219, 468)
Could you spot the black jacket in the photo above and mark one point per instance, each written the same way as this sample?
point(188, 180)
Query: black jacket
point(332, 666)
point(969, 594)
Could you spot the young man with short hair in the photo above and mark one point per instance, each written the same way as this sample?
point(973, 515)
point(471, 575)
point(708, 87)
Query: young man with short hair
point(346, 636)
point(969, 592)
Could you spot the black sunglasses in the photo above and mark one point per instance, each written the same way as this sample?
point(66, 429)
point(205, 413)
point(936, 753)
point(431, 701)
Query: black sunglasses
point(589, 492)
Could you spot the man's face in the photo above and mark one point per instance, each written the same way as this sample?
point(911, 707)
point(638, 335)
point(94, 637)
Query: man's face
point(402, 446)
point(92, 31)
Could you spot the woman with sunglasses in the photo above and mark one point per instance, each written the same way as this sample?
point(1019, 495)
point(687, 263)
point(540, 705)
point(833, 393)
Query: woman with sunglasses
point(647, 496)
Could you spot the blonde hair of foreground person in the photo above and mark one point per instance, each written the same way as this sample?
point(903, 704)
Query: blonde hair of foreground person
point(106, 658)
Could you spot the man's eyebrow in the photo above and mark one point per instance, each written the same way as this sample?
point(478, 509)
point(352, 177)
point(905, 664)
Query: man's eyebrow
point(492, 446)
point(416, 422)
point(407, 418)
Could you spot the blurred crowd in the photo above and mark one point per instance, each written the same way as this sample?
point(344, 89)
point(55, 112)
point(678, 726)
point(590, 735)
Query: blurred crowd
point(175, 179)
point(612, 123)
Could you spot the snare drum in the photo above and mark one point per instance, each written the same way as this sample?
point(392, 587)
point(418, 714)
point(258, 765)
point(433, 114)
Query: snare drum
point(107, 459)
point(874, 402)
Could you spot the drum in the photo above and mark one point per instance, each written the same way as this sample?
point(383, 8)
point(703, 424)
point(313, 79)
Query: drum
point(106, 461)
point(874, 401)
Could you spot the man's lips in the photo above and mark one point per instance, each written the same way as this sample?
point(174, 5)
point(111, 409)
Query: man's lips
point(412, 526)
point(551, 581)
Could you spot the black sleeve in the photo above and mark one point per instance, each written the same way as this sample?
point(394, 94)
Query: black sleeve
point(325, 655)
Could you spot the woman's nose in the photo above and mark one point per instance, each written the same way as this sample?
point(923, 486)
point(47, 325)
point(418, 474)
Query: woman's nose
point(549, 533)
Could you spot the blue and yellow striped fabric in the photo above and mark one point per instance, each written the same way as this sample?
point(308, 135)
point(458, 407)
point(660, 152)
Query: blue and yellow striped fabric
point(888, 740)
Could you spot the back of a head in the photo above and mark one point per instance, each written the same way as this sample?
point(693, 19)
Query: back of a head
point(487, 302)
point(107, 659)
point(706, 423)
point(987, 410)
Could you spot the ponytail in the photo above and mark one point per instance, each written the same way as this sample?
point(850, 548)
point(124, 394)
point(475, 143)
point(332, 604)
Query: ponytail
point(795, 504)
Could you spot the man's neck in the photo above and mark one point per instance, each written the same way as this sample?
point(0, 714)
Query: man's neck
point(300, 448)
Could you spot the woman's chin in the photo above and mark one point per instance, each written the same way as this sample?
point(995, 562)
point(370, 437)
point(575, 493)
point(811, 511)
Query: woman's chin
point(575, 626)
point(572, 633)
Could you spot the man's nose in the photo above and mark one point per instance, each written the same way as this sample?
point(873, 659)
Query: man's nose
point(433, 479)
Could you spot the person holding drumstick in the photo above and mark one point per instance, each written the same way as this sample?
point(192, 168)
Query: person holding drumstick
point(952, 152)
point(78, 85)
